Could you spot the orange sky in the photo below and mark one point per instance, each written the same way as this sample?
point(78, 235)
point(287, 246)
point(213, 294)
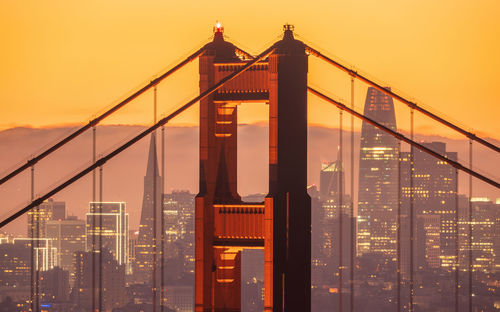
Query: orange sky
point(64, 61)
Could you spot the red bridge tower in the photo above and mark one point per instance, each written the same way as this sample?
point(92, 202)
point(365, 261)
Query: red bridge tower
point(225, 225)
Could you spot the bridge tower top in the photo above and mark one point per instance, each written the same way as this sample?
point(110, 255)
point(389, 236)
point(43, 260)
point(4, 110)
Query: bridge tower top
point(218, 29)
point(224, 52)
point(288, 31)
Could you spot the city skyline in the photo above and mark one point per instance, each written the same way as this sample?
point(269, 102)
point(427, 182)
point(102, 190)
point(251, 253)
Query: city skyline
point(53, 212)
point(405, 215)
point(323, 147)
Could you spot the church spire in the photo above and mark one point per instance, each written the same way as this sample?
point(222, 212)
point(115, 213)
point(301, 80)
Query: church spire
point(152, 168)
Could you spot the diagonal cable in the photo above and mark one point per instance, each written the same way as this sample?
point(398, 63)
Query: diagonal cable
point(400, 98)
point(104, 159)
point(101, 117)
point(401, 137)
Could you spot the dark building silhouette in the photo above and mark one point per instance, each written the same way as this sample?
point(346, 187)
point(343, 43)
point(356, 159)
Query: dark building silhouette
point(151, 205)
point(7, 305)
point(113, 292)
point(378, 185)
point(54, 285)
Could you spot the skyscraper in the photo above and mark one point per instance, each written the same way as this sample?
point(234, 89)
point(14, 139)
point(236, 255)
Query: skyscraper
point(15, 261)
point(485, 234)
point(54, 285)
point(335, 204)
point(45, 254)
point(378, 174)
point(178, 213)
point(48, 210)
point(329, 195)
point(434, 194)
point(110, 229)
point(68, 236)
point(113, 290)
point(151, 211)
point(329, 179)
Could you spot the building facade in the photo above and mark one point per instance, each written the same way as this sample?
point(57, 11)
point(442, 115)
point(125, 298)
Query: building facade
point(434, 196)
point(48, 210)
point(485, 228)
point(113, 293)
point(147, 249)
point(378, 174)
point(68, 236)
point(107, 227)
point(44, 252)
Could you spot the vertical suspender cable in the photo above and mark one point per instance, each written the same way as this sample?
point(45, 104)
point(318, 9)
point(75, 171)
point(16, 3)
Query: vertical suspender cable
point(93, 220)
point(339, 209)
point(398, 234)
point(471, 259)
point(162, 253)
point(37, 248)
point(412, 286)
point(100, 241)
point(32, 236)
point(155, 212)
point(93, 161)
point(353, 219)
point(457, 260)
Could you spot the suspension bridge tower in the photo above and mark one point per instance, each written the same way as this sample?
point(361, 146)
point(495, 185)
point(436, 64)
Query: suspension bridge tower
point(281, 225)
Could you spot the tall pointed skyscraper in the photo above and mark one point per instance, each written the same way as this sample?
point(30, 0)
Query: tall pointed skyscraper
point(329, 179)
point(151, 204)
point(378, 174)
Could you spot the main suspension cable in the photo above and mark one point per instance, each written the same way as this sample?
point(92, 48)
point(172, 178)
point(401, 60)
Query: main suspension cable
point(135, 139)
point(400, 98)
point(101, 117)
point(401, 137)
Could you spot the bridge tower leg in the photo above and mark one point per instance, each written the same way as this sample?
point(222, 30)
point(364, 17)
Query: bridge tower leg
point(287, 251)
point(217, 269)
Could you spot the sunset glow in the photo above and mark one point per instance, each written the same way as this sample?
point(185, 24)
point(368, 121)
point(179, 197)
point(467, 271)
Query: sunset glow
point(63, 62)
point(300, 156)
